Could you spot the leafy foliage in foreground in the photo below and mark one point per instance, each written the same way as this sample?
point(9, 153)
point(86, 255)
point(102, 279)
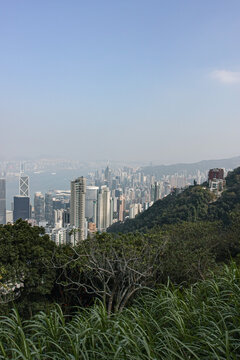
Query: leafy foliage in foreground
point(201, 322)
point(115, 268)
point(112, 268)
point(24, 251)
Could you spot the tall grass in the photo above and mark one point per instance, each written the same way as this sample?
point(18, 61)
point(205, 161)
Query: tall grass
point(201, 322)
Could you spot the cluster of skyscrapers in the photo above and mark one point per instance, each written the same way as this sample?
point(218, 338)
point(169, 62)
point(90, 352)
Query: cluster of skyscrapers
point(21, 202)
point(91, 204)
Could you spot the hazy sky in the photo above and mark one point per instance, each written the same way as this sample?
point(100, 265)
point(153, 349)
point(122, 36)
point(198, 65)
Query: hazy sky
point(120, 79)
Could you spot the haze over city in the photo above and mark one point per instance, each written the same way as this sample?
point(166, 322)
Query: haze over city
point(119, 179)
point(120, 80)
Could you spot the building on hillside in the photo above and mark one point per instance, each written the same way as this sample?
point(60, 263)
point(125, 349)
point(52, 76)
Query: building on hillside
point(216, 174)
point(216, 180)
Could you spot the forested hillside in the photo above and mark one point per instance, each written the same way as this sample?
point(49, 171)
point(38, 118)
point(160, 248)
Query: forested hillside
point(196, 203)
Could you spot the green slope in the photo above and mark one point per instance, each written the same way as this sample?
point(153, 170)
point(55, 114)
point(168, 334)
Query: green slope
point(193, 204)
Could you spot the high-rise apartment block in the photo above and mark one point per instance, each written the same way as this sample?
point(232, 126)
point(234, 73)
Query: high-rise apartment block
point(49, 208)
point(91, 198)
point(77, 206)
point(104, 208)
point(2, 201)
point(134, 210)
point(39, 207)
point(155, 191)
point(121, 207)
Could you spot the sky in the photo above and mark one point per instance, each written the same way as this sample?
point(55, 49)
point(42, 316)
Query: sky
point(134, 80)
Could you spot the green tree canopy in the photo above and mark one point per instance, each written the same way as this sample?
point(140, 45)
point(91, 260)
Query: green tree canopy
point(24, 253)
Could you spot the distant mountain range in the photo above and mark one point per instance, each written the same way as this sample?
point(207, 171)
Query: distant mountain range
point(188, 169)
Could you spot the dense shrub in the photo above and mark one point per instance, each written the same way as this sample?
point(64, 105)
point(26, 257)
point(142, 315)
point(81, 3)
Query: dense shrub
point(201, 322)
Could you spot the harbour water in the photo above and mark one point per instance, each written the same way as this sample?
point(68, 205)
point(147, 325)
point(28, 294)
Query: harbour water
point(43, 181)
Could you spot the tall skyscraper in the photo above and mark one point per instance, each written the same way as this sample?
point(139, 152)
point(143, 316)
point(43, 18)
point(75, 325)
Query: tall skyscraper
point(2, 201)
point(104, 217)
point(94, 219)
point(39, 207)
point(91, 197)
point(155, 191)
point(121, 207)
point(49, 208)
point(100, 211)
point(24, 185)
point(107, 174)
point(21, 208)
point(77, 205)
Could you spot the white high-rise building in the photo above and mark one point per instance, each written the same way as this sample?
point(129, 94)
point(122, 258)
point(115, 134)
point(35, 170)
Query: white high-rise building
point(104, 209)
point(62, 236)
point(58, 218)
point(91, 197)
point(77, 206)
point(134, 210)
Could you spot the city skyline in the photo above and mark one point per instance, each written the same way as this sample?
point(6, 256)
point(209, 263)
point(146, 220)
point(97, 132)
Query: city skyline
point(103, 198)
point(134, 80)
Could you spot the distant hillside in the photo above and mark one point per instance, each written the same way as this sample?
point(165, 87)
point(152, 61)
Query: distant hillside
point(191, 169)
point(190, 205)
point(193, 204)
